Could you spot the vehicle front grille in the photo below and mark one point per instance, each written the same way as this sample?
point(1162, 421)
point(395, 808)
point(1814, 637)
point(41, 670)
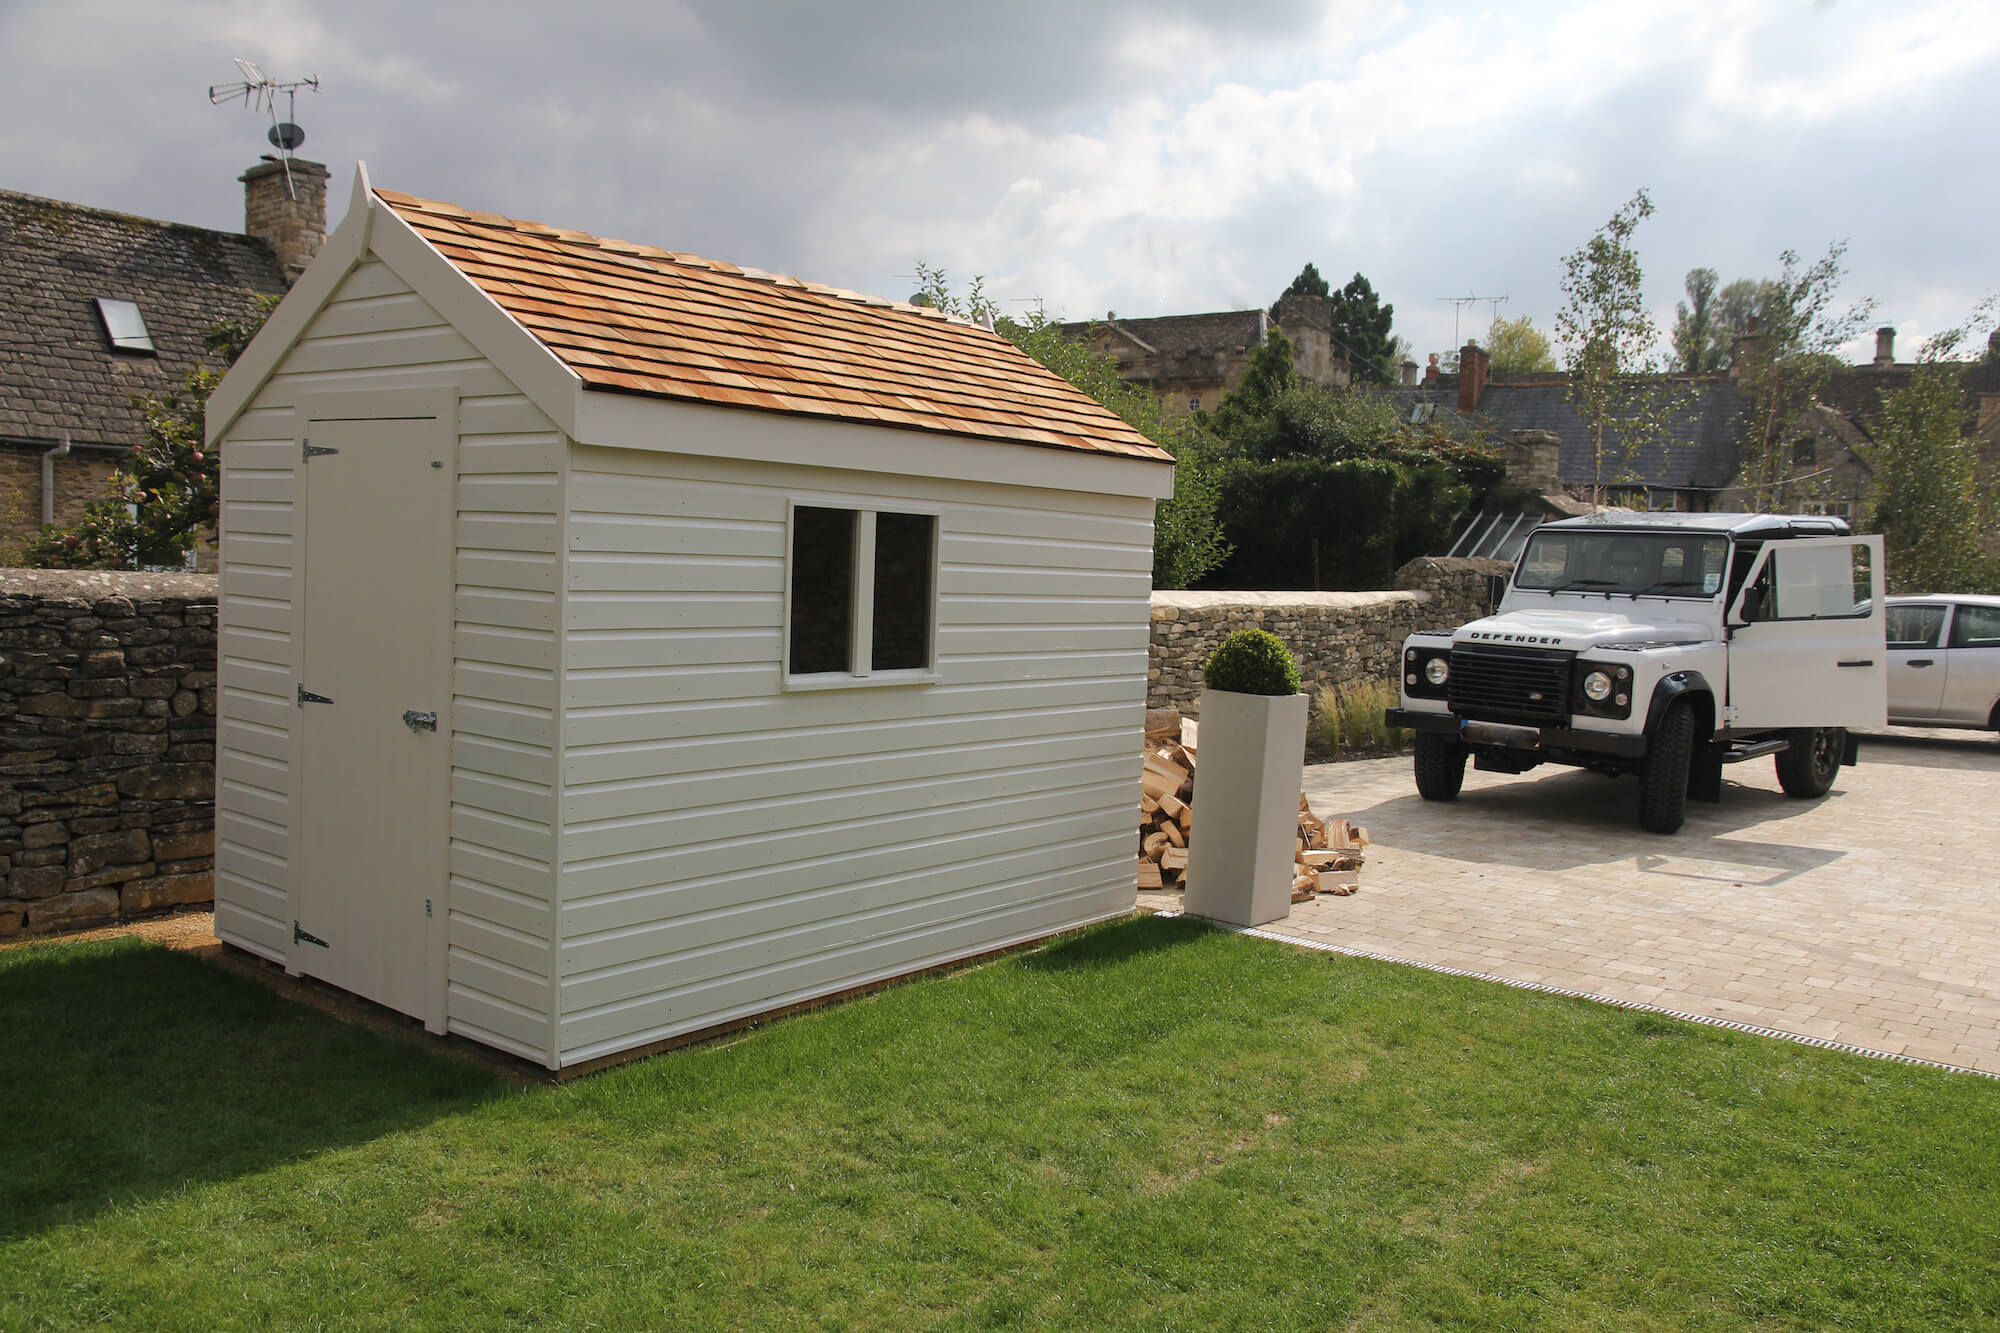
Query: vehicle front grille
point(1496, 682)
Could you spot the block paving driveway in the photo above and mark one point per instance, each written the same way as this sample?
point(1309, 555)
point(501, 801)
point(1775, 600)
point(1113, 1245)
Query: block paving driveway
point(1870, 918)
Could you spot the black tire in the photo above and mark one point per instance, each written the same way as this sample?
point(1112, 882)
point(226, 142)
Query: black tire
point(1663, 776)
point(1440, 763)
point(1806, 767)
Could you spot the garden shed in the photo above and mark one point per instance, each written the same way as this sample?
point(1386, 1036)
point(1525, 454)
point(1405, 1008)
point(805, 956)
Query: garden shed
point(616, 645)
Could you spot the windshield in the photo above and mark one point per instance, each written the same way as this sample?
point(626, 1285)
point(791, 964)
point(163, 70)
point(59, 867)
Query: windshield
point(1659, 564)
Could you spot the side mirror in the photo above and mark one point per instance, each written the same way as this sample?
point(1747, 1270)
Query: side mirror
point(1752, 609)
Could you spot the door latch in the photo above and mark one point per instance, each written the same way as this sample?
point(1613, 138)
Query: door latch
point(416, 721)
point(306, 696)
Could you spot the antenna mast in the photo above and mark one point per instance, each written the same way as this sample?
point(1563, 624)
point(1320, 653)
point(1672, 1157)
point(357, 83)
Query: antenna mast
point(1458, 306)
point(260, 92)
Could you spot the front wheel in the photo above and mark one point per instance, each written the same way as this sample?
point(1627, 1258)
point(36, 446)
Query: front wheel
point(1806, 766)
point(1440, 762)
point(1663, 777)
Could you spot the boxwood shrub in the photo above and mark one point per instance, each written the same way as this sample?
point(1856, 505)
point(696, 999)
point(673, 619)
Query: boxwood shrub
point(1252, 661)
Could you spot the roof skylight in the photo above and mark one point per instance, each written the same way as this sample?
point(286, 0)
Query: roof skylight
point(124, 325)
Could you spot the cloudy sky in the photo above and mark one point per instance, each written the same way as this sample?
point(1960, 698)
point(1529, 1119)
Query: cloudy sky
point(1148, 158)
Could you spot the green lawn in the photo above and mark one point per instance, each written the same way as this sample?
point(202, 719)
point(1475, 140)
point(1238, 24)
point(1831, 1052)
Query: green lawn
point(1149, 1125)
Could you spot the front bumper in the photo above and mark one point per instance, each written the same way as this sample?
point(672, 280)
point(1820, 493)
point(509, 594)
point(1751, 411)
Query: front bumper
point(1519, 738)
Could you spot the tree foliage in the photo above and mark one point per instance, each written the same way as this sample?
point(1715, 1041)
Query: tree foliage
point(163, 500)
point(1361, 332)
point(1517, 347)
point(1187, 542)
point(1327, 487)
point(1608, 339)
point(1708, 324)
point(1308, 283)
point(1932, 501)
point(1781, 368)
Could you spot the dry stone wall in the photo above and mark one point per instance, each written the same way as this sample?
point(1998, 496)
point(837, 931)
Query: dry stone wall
point(107, 746)
point(1338, 637)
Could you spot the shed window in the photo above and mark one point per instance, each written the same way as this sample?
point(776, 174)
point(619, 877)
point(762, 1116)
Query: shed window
point(862, 591)
point(124, 325)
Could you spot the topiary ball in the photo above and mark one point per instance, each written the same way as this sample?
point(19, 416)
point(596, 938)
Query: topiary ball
point(1252, 661)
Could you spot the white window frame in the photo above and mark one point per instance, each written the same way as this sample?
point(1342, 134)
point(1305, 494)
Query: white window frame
point(861, 598)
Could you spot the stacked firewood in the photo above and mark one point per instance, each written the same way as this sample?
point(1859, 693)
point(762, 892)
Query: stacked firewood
point(1327, 855)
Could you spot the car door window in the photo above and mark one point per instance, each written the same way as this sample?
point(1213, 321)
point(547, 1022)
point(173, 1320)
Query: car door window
point(1915, 626)
point(1976, 627)
point(1817, 583)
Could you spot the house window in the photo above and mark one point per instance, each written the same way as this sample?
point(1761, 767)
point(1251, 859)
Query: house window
point(124, 325)
point(861, 590)
point(1829, 508)
point(1194, 403)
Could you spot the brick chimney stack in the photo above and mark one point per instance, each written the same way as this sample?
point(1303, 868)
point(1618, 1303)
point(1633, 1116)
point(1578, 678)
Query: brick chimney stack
point(1431, 370)
point(1885, 347)
point(1472, 363)
point(294, 228)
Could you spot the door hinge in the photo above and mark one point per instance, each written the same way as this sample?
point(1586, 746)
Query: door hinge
point(310, 451)
point(306, 696)
point(300, 935)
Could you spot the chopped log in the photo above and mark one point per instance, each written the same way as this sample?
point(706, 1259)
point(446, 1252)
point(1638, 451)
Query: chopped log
point(1185, 818)
point(1172, 833)
point(1174, 858)
point(1171, 806)
point(1149, 804)
point(1360, 837)
point(1154, 844)
point(1149, 875)
point(1336, 857)
point(1190, 734)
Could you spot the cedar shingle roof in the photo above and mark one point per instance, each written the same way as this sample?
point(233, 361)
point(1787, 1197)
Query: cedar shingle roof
point(640, 319)
point(57, 371)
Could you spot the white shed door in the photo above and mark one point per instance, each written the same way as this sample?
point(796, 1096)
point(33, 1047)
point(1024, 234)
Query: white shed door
point(373, 791)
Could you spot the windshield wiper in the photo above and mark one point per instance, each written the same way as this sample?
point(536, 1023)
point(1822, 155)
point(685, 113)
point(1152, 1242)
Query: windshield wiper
point(1574, 584)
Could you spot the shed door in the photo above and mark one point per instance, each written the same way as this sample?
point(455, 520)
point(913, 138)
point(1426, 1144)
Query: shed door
point(373, 790)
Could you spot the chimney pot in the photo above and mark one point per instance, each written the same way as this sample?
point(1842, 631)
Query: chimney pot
point(287, 215)
point(1885, 347)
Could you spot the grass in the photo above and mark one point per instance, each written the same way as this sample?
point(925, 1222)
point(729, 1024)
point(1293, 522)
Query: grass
point(1149, 1125)
point(1348, 719)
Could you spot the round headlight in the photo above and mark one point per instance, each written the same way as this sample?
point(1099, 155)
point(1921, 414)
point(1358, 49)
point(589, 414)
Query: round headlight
point(1597, 686)
point(1437, 671)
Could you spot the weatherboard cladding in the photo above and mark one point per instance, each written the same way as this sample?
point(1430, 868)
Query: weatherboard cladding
point(377, 333)
point(57, 371)
point(640, 319)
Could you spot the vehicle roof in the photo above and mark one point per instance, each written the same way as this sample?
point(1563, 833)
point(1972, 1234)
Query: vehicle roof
point(1736, 525)
point(1962, 598)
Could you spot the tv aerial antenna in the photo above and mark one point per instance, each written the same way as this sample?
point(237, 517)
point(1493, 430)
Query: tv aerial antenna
point(1459, 304)
point(260, 92)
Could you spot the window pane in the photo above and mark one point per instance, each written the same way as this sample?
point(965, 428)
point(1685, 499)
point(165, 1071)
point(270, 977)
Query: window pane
point(903, 544)
point(1813, 583)
point(1914, 626)
point(822, 590)
point(1976, 627)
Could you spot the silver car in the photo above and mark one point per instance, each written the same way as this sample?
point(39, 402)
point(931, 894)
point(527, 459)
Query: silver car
point(1944, 661)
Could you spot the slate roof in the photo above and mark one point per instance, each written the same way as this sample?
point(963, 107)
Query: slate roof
point(644, 320)
point(1700, 450)
point(58, 372)
point(1184, 335)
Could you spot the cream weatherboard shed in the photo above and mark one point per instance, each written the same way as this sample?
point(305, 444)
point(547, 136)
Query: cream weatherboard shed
point(616, 645)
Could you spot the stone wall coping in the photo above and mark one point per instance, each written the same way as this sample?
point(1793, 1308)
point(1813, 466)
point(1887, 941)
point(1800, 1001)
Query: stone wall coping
point(87, 587)
point(1279, 601)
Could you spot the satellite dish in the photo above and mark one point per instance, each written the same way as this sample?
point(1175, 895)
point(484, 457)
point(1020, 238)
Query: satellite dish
point(285, 135)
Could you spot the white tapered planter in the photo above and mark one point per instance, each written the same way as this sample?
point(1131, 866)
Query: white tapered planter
point(1246, 808)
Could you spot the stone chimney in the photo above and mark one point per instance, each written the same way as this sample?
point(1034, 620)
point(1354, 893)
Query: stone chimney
point(288, 217)
point(1748, 343)
point(1533, 459)
point(1409, 374)
point(1885, 347)
point(1472, 363)
point(1431, 370)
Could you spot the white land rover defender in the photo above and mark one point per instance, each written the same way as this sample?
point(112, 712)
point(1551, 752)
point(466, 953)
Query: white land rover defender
point(1665, 645)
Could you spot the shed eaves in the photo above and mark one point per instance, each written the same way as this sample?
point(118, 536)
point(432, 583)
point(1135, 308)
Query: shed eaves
point(644, 320)
point(58, 374)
